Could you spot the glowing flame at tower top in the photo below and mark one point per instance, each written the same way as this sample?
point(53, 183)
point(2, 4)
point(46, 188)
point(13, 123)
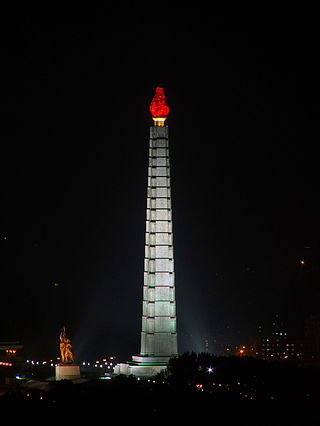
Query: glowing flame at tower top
point(159, 108)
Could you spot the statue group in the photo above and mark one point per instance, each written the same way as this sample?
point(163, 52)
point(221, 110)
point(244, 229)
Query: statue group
point(67, 369)
point(67, 356)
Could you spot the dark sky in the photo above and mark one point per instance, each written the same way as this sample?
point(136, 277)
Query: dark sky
point(75, 94)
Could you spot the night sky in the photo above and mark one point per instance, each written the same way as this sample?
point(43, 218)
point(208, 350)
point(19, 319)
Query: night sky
point(75, 93)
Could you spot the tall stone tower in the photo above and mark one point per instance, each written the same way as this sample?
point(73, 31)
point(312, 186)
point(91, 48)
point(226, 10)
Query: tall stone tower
point(159, 328)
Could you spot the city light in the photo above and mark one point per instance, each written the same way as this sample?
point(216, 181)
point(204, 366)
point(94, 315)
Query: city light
point(6, 364)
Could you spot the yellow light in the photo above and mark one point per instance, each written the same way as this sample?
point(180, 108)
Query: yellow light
point(159, 121)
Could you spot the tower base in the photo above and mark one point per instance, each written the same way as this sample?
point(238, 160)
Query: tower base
point(143, 366)
point(67, 372)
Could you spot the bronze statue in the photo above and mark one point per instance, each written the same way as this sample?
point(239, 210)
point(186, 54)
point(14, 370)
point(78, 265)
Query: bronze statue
point(67, 356)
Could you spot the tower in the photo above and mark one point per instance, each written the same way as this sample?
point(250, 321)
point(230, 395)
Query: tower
point(159, 328)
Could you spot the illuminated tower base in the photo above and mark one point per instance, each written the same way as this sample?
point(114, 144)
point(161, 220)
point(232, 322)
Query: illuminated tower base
point(159, 329)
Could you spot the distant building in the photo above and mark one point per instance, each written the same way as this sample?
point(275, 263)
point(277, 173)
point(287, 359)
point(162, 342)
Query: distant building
point(274, 343)
point(311, 355)
point(9, 349)
point(9, 362)
point(278, 346)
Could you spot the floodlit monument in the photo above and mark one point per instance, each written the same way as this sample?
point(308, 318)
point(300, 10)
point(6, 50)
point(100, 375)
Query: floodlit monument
point(67, 369)
point(159, 328)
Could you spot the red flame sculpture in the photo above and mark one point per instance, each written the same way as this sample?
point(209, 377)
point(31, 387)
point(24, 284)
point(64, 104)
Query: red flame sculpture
point(158, 106)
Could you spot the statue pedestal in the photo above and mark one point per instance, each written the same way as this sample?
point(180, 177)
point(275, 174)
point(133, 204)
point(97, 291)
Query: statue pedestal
point(67, 372)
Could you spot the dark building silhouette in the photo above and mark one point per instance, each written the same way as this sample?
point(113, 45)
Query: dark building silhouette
point(311, 353)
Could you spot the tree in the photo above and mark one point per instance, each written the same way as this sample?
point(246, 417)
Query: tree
point(191, 368)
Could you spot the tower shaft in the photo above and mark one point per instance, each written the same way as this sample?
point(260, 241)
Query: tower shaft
point(159, 328)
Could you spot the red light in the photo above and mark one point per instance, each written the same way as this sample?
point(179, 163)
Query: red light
point(158, 106)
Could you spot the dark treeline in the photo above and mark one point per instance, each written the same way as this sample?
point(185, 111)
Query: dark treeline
point(256, 378)
point(194, 387)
